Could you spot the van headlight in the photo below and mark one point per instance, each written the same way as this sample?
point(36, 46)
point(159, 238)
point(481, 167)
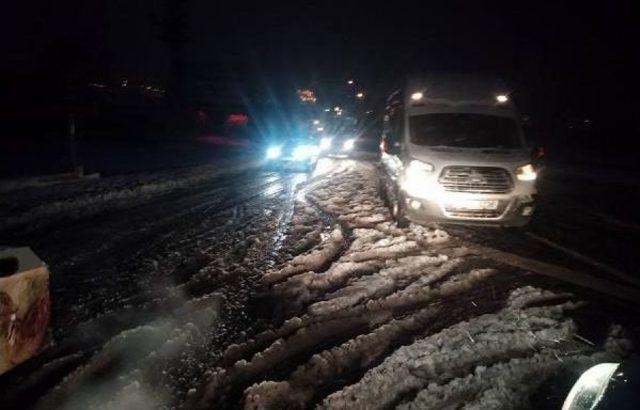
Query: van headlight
point(526, 173)
point(415, 178)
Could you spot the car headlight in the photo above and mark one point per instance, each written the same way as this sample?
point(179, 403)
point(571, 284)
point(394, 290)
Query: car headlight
point(349, 144)
point(526, 173)
point(274, 152)
point(303, 152)
point(415, 178)
point(325, 144)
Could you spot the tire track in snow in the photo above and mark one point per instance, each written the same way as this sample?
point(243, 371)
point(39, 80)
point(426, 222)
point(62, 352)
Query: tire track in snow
point(193, 264)
point(355, 321)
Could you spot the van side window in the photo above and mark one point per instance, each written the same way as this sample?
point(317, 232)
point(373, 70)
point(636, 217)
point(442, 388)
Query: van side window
point(392, 122)
point(397, 123)
point(393, 125)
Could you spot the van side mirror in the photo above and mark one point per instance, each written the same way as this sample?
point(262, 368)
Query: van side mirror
point(537, 153)
point(391, 148)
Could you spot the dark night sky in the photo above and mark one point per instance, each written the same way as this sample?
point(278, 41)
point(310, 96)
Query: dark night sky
point(322, 38)
point(580, 56)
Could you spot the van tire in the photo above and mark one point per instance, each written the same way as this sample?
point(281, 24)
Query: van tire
point(398, 210)
point(383, 191)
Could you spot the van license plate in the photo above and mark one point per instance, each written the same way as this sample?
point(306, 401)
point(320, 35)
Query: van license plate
point(475, 205)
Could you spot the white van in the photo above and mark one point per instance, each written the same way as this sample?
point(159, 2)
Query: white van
point(453, 150)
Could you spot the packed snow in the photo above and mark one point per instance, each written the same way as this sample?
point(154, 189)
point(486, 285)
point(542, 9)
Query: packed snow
point(398, 317)
point(325, 302)
point(72, 200)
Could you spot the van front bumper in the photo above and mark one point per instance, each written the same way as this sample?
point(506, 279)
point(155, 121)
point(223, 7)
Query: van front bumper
point(511, 210)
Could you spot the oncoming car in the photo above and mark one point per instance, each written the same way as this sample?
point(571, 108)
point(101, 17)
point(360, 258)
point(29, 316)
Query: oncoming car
point(338, 146)
point(453, 150)
point(293, 154)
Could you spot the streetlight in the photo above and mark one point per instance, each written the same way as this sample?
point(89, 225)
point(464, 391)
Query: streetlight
point(360, 95)
point(316, 122)
point(350, 82)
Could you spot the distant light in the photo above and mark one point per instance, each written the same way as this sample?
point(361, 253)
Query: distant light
point(350, 82)
point(124, 83)
point(274, 152)
point(237, 120)
point(327, 109)
point(336, 108)
point(360, 95)
point(303, 152)
point(316, 122)
point(307, 96)
point(348, 144)
point(339, 113)
point(320, 129)
point(502, 98)
point(417, 96)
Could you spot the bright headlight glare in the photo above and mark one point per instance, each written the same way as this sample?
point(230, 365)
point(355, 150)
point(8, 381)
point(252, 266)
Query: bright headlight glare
point(416, 177)
point(348, 144)
point(274, 152)
point(526, 173)
point(325, 143)
point(417, 96)
point(419, 167)
point(303, 152)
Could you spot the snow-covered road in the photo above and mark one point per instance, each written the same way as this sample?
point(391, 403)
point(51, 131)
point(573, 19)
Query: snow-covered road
point(268, 290)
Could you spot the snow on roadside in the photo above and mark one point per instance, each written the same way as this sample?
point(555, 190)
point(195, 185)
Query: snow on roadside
point(381, 316)
point(137, 368)
point(509, 384)
point(480, 343)
point(330, 364)
point(310, 261)
point(40, 204)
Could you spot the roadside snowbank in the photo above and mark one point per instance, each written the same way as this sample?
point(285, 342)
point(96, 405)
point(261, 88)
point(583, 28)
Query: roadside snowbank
point(40, 205)
point(378, 316)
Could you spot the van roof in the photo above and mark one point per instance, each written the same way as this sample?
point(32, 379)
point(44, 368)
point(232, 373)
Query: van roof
point(457, 88)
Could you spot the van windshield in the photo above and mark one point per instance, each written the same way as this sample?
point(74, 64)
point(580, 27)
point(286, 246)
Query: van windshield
point(464, 130)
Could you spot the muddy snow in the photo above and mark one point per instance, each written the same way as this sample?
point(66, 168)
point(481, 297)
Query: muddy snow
point(374, 316)
point(327, 303)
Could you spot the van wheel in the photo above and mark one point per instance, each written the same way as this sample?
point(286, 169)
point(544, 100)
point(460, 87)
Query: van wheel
point(383, 191)
point(398, 210)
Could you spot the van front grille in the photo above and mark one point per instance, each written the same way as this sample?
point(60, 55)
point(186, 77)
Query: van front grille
point(480, 180)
